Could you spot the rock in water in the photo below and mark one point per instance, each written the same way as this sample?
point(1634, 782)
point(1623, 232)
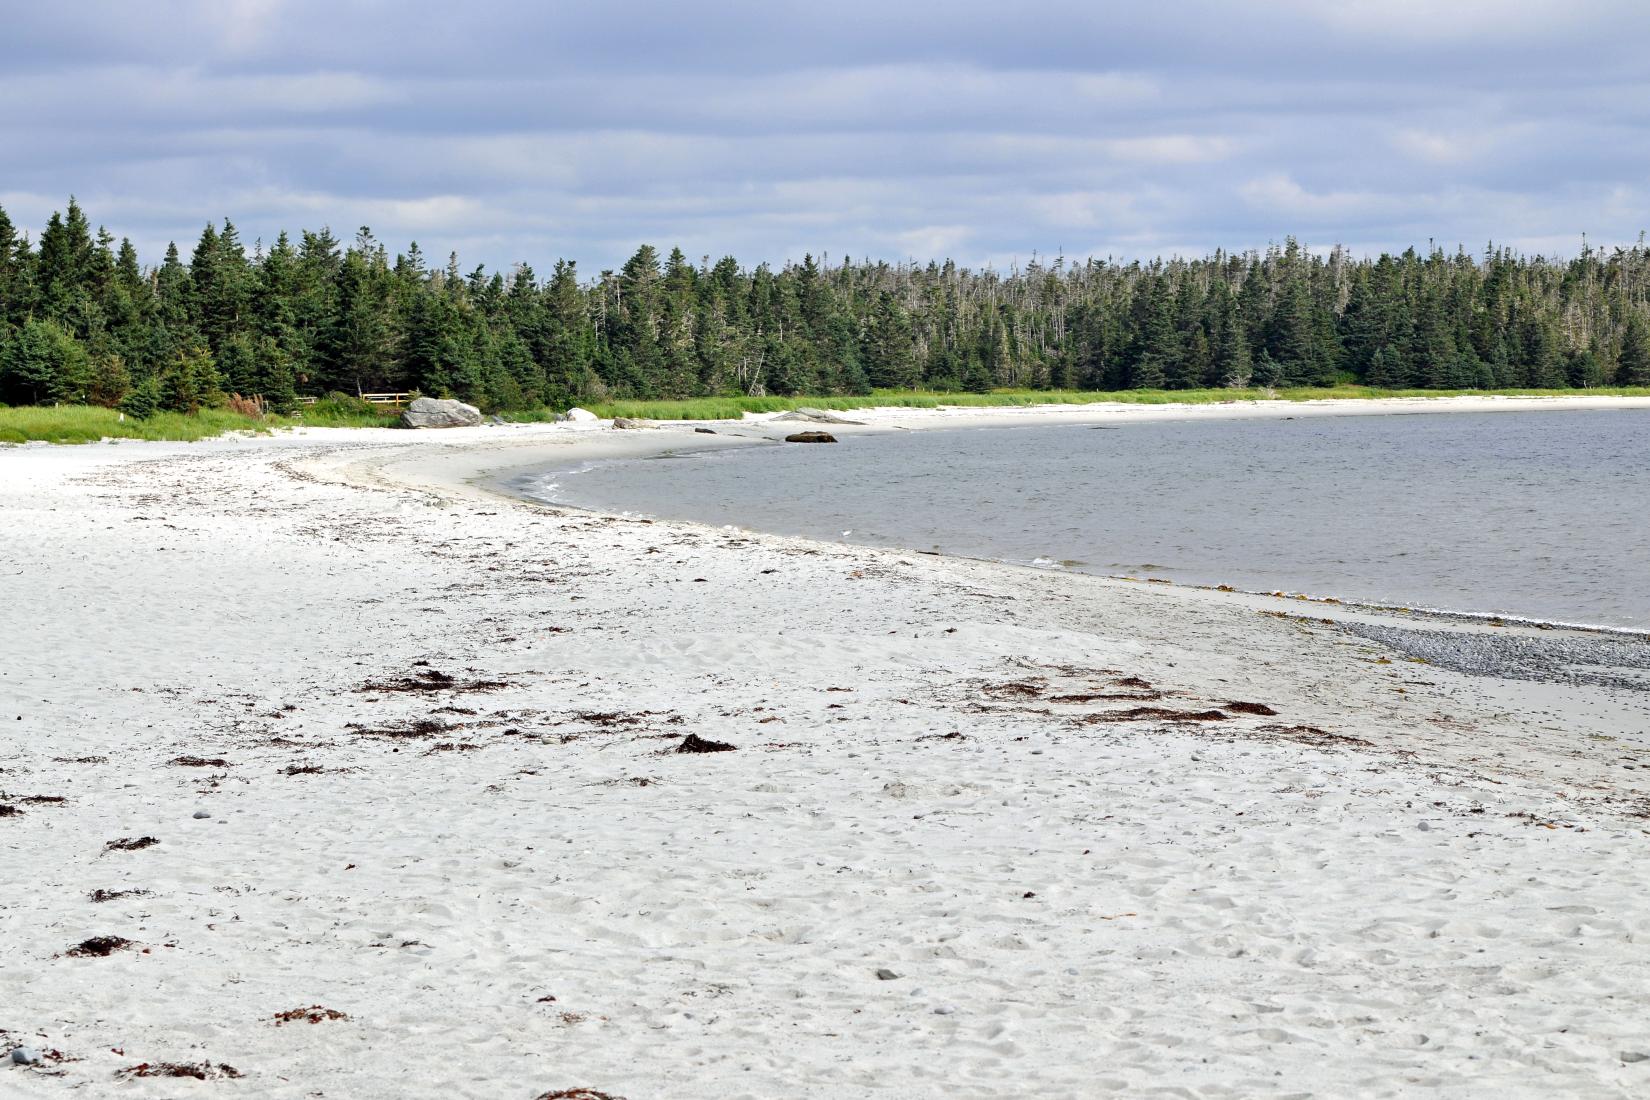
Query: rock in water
point(705, 431)
point(430, 412)
point(581, 416)
point(811, 437)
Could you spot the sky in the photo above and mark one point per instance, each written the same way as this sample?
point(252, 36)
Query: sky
point(514, 130)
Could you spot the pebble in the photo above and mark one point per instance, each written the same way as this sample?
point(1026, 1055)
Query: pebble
point(885, 974)
point(1424, 827)
point(25, 1056)
point(1633, 1056)
point(201, 815)
point(943, 1010)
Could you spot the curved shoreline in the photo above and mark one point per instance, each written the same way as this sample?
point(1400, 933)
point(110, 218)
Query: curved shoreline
point(642, 446)
point(437, 740)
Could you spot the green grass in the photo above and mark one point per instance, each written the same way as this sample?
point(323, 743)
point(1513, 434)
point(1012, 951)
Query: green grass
point(88, 424)
point(340, 411)
point(732, 408)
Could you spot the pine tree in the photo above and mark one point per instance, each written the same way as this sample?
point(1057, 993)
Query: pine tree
point(143, 400)
point(359, 340)
point(190, 380)
point(42, 364)
point(14, 264)
point(222, 286)
point(1157, 345)
point(569, 336)
point(1633, 362)
point(63, 267)
point(1236, 370)
point(320, 317)
point(1291, 336)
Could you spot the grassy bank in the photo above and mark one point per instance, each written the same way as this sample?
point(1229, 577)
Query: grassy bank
point(89, 423)
point(732, 408)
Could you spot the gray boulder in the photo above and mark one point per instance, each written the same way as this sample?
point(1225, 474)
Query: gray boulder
point(815, 416)
point(627, 422)
point(429, 412)
point(581, 416)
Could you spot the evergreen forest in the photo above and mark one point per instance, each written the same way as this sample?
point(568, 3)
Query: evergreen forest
point(86, 320)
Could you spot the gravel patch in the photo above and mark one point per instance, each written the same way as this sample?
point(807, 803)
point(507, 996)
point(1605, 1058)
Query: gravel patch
point(1594, 660)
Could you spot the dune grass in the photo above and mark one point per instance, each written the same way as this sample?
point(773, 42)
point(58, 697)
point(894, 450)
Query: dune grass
point(90, 423)
point(733, 408)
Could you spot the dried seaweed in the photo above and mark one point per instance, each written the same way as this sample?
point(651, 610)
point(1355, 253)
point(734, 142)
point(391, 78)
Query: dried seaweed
point(430, 679)
point(200, 1071)
point(314, 1014)
point(98, 947)
point(1144, 714)
point(694, 743)
point(131, 843)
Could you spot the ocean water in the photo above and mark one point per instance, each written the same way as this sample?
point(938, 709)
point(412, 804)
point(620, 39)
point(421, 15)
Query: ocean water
point(1542, 515)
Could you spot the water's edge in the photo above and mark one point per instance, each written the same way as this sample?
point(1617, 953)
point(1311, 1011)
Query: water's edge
point(544, 485)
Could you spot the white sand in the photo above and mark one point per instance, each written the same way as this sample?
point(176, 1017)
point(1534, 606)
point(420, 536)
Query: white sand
point(1074, 910)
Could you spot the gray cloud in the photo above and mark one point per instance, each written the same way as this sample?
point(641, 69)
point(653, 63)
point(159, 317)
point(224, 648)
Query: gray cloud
point(522, 131)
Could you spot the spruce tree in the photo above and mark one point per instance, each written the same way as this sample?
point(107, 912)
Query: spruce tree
point(1157, 345)
point(43, 364)
point(190, 380)
point(320, 317)
point(1633, 362)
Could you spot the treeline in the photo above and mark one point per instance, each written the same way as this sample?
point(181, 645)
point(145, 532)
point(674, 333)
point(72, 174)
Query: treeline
point(84, 320)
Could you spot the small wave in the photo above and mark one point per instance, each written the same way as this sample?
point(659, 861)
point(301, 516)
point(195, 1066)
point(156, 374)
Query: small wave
point(544, 487)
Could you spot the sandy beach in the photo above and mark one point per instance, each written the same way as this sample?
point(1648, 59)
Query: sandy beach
point(334, 772)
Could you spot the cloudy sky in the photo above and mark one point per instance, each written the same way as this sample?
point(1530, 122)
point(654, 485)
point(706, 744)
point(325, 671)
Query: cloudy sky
point(523, 130)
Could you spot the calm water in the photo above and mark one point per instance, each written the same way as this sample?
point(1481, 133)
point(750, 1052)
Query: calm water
point(1545, 515)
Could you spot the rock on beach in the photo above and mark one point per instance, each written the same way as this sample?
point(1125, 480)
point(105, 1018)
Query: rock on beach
point(430, 412)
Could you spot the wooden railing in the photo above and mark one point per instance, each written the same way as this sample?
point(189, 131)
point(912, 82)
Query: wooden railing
point(394, 400)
